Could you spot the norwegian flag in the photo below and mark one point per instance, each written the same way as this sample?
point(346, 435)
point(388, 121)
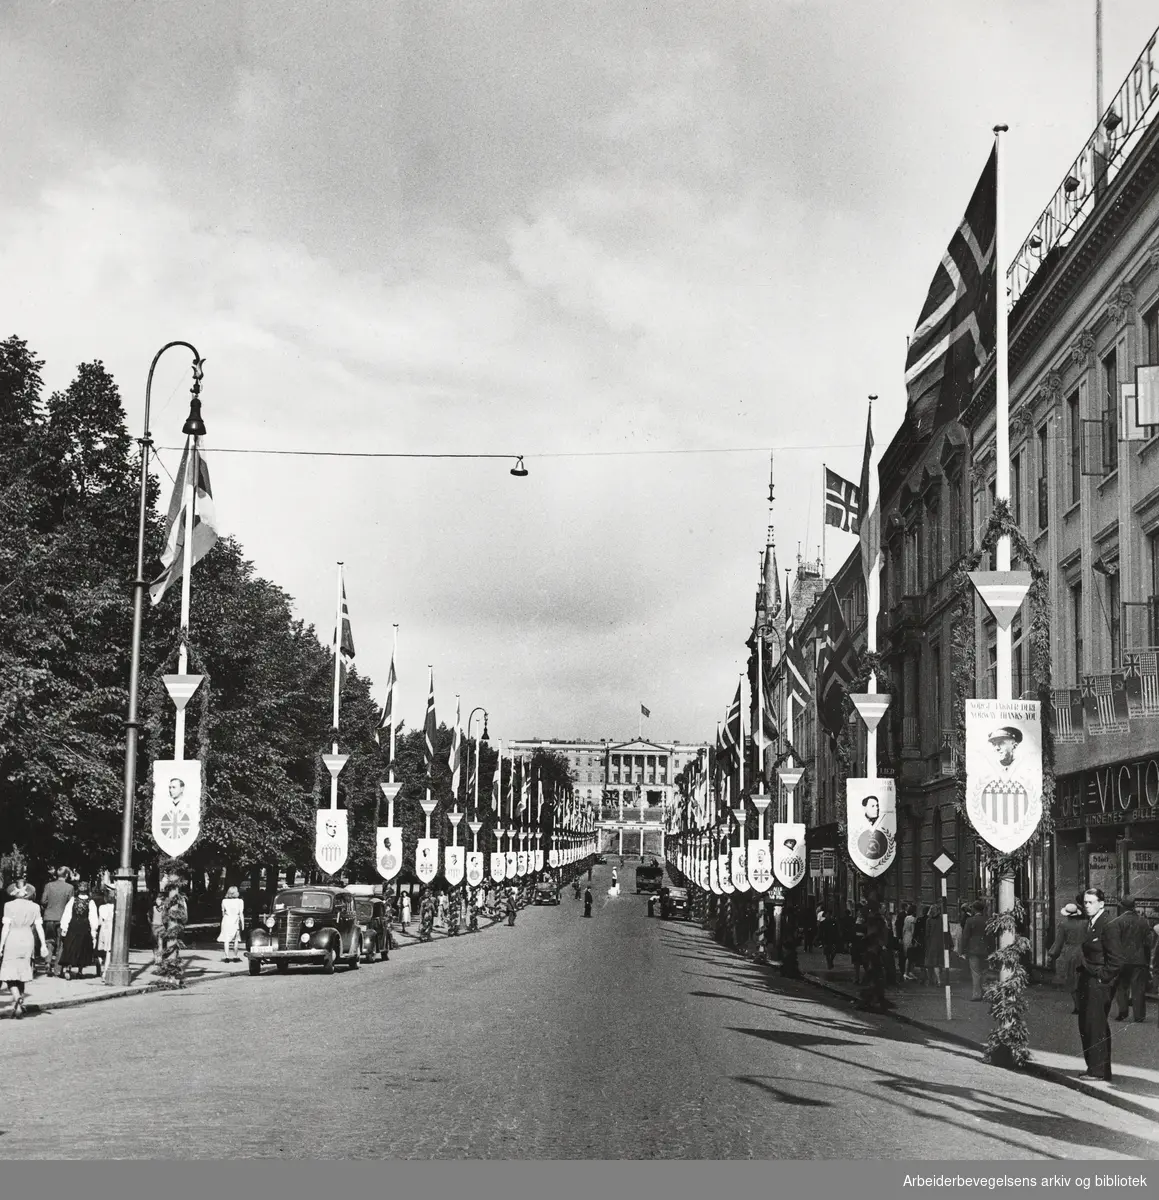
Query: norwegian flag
point(957, 326)
point(796, 683)
point(837, 667)
point(429, 727)
point(344, 640)
point(732, 728)
point(842, 502)
point(387, 721)
point(456, 758)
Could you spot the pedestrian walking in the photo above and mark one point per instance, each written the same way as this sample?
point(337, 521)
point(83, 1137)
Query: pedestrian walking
point(106, 913)
point(576, 887)
point(899, 945)
point(1098, 973)
point(1135, 940)
point(79, 928)
point(934, 946)
point(56, 895)
point(511, 908)
point(909, 933)
point(809, 928)
point(157, 925)
point(976, 947)
point(405, 915)
point(587, 901)
point(19, 929)
point(828, 935)
point(232, 919)
point(1068, 946)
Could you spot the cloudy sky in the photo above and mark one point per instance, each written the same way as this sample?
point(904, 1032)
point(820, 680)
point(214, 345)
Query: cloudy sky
point(641, 244)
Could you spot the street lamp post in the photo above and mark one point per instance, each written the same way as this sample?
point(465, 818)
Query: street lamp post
point(117, 971)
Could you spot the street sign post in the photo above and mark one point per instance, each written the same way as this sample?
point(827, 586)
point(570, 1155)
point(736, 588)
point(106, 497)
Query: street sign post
point(944, 863)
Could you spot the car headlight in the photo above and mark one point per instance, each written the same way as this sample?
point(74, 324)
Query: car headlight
point(308, 923)
point(305, 939)
point(269, 922)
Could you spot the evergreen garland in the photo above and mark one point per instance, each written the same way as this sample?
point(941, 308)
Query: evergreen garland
point(1007, 1043)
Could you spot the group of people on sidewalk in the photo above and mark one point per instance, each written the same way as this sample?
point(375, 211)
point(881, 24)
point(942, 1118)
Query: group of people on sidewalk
point(72, 926)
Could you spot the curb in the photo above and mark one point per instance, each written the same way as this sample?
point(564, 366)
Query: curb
point(1040, 1071)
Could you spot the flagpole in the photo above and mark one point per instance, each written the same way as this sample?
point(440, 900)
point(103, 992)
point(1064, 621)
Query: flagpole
point(872, 605)
point(393, 658)
point(337, 682)
point(189, 499)
point(823, 515)
point(1002, 479)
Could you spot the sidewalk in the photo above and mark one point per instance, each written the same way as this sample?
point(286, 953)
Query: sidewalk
point(202, 963)
point(1054, 1038)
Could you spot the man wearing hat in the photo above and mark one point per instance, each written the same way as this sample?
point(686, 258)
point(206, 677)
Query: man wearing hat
point(1005, 741)
point(1135, 940)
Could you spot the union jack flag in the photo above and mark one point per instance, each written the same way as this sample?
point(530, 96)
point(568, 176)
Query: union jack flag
point(175, 825)
point(344, 641)
point(842, 502)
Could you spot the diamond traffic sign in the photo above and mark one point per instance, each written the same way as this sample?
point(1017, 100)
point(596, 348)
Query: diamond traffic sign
point(943, 864)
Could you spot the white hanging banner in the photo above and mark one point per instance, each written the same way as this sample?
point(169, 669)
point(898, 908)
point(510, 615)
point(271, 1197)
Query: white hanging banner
point(331, 843)
point(788, 853)
point(722, 869)
point(474, 867)
point(176, 804)
point(521, 862)
point(871, 821)
point(498, 866)
point(1004, 770)
point(738, 872)
point(512, 864)
point(714, 877)
point(760, 865)
point(427, 859)
point(553, 857)
point(453, 864)
point(539, 860)
point(388, 850)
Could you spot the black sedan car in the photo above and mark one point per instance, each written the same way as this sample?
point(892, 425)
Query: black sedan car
point(307, 925)
point(674, 902)
point(546, 892)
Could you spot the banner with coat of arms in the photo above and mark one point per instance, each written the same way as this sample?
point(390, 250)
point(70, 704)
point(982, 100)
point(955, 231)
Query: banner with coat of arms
point(760, 867)
point(871, 823)
point(453, 864)
point(1004, 770)
point(498, 866)
point(738, 872)
point(177, 804)
point(788, 853)
point(427, 859)
point(725, 873)
point(539, 860)
point(521, 864)
point(388, 850)
point(474, 867)
point(553, 857)
point(512, 864)
point(331, 841)
point(714, 876)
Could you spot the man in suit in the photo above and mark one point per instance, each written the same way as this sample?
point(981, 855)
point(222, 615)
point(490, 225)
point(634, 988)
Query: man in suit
point(1098, 974)
point(1135, 938)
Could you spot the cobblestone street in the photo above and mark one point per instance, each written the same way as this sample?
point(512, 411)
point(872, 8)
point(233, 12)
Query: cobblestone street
point(616, 1037)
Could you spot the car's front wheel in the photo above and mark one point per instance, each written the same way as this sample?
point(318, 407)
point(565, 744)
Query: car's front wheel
point(355, 959)
point(328, 961)
point(282, 967)
point(255, 966)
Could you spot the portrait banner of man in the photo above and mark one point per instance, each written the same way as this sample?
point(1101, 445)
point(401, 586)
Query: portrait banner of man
point(871, 820)
point(760, 865)
point(553, 858)
point(474, 867)
point(388, 850)
point(453, 864)
point(788, 853)
point(498, 866)
point(714, 876)
point(331, 840)
point(724, 870)
point(738, 869)
point(427, 859)
point(176, 804)
point(1004, 770)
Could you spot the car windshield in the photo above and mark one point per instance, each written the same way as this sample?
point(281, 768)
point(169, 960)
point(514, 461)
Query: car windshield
point(318, 901)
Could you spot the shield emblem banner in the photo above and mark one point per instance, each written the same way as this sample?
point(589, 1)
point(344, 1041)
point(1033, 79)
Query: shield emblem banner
point(871, 820)
point(539, 860)
point(760, 866)
point(475, 867)
point(553, 858)
point(427, 859)
point(512, 864)
point(1004, 770)
point(388, 850)
point(498, 866)
point(521, 862)
point(788, 853)
point(724, 872)
point(331, 843)
point(176, 804)
point(738, 872)
point(453, 864)
point(714, 877)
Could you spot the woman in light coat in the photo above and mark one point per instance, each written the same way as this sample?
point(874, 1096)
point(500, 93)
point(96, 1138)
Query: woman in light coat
point(405, 909)
point(106, 912)
point(18, 932)
point(908, 929)
point(232, 919)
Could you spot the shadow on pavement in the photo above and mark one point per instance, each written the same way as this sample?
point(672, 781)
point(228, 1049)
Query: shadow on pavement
point(777, 1093)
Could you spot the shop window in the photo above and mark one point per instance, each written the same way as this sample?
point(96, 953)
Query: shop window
point(1110, 371)
point(1043, 495)
point(1074, 446)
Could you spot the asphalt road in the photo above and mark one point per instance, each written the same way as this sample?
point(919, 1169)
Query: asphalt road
point(615, 1037)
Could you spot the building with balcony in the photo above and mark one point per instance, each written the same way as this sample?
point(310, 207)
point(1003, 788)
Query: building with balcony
point(1084, 477)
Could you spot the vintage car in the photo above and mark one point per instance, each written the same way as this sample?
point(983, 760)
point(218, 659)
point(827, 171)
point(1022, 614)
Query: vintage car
point(649, 878)
point(307, 925)
point(673, 902)
point(546, 892)
point(370, 912)
point(600, 860)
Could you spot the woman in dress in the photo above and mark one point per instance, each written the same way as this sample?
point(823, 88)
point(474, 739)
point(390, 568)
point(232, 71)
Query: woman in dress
point(106, 911)
point(232, 919)
point(18, 932)
point(404, 908)
point(79, 927)
point(1068, 946)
